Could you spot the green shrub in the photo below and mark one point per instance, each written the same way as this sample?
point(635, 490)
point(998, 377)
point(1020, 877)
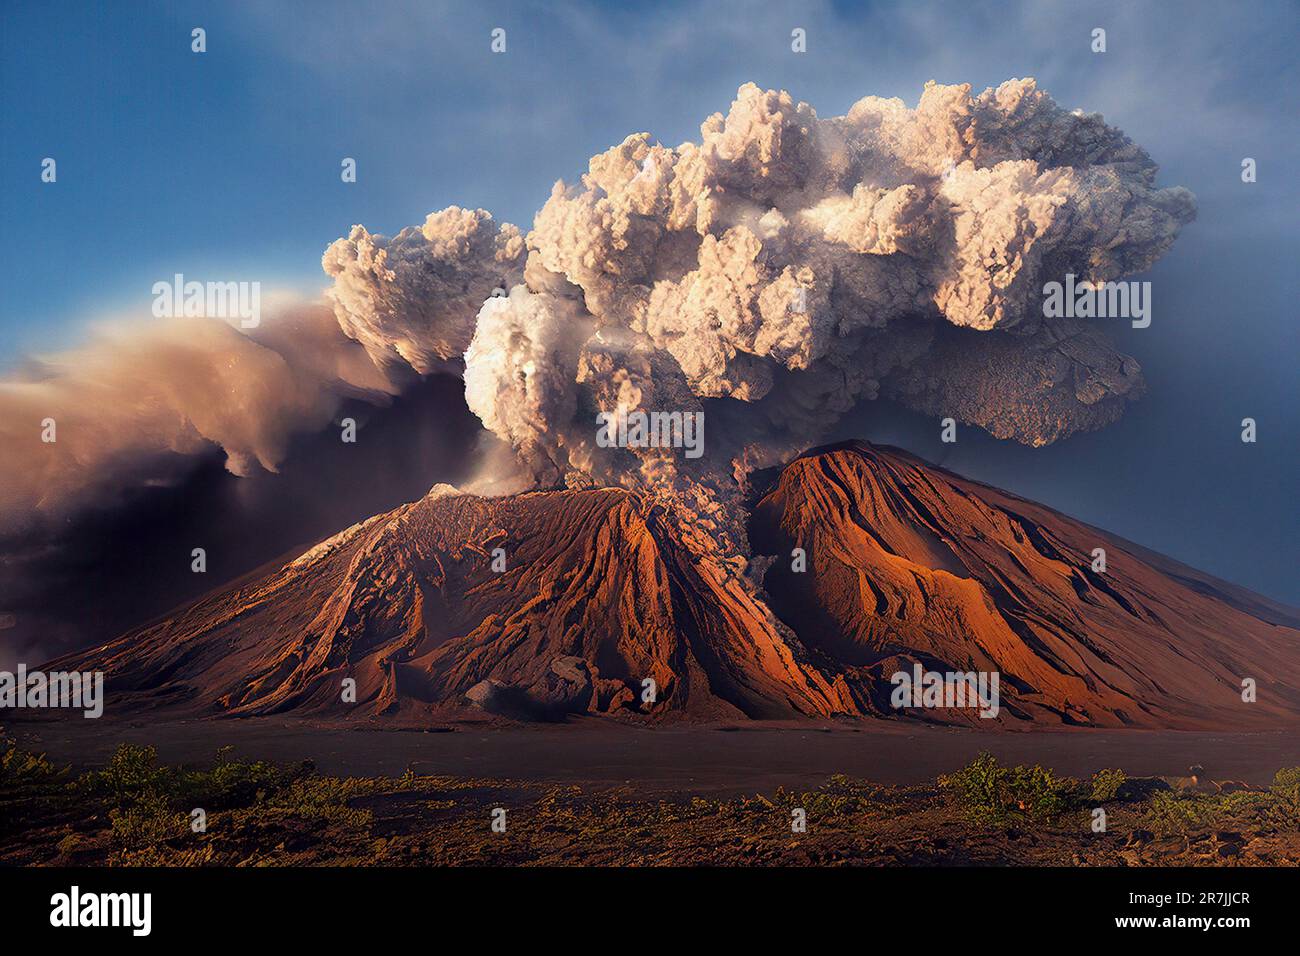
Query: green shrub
point(147, 823)
point(840, 795)
point(131, 773)
point(988, 791)
point(1171, 812)
point(20, 768)
point(69, 843)
point(1039, 792)
point(1286, 782)
point(1106, 785)
point(233, 784)
point(133, 776)
point(1286, 793)
point(977, 786)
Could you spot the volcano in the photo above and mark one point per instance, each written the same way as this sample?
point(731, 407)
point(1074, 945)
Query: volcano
point(866, 562)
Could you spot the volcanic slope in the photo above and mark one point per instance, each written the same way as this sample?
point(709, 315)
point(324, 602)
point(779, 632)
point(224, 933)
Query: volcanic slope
point(601, 601)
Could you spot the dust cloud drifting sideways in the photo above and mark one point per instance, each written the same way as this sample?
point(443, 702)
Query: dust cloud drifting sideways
point(141, 401)
point(130, 408)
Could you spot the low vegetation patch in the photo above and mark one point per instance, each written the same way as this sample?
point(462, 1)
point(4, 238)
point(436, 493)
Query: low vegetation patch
point(137, 810)
point(1174, 812)
point(989, 791)
point(21, 769)
point(1106, 785)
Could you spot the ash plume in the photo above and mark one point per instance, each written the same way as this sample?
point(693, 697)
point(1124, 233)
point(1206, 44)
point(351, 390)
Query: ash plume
point(785, 267)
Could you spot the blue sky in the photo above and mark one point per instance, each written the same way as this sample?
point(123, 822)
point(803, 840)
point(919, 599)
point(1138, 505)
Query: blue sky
point(227, 164)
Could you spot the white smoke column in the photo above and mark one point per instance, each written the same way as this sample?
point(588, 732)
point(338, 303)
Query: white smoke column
point(519, 372)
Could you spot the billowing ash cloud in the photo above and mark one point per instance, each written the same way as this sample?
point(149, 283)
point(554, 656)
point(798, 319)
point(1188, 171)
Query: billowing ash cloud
point(772, 275)
point(786, 267)
point(413, 298)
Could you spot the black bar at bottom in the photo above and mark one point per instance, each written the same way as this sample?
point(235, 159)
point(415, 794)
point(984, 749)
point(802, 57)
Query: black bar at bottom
point(443, 905)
